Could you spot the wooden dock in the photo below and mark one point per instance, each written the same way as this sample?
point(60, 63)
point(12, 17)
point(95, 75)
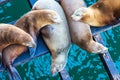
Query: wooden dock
point(42, 50)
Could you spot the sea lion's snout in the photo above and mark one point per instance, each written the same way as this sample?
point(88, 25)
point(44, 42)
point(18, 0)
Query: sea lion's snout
point(57, 19)
point(59, 63)
point(78, 14)
point(31, 44)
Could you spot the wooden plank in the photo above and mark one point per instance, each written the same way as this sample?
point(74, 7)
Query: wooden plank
point(64, 75)
point(96, 30)
point(108, 62)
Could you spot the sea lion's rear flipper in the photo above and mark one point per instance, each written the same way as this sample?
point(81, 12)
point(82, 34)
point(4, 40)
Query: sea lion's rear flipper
point(13, 73)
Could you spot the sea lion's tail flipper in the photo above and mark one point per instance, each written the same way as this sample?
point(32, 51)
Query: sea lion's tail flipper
point(13, 73)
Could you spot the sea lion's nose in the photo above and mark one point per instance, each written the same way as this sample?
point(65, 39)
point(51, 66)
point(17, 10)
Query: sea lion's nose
point(31, 44)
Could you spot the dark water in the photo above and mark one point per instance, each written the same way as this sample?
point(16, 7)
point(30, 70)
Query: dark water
point(81, 65)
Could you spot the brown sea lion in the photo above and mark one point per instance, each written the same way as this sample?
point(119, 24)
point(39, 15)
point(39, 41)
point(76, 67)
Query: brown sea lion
point(80, 32)
point(101, 13)
point(31, 23)
point(57, 39)
point(8, 35)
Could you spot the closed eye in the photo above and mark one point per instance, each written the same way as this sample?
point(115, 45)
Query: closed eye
point(55, 17)
point(77, 15)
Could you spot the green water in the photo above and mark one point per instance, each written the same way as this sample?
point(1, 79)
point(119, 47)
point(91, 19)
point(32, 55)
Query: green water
point(81, 65)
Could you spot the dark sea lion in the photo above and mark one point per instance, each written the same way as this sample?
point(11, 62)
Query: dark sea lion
point(80, 32)
point(31, 23)
point(57, 39)
point(101, 13)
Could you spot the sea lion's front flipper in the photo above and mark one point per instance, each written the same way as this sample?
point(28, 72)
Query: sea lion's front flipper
point(13, 73)
point(33, 34)
point(47, 31)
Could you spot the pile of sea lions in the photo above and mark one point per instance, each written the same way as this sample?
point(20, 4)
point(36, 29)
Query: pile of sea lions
point(58, 25)
point(15, 39)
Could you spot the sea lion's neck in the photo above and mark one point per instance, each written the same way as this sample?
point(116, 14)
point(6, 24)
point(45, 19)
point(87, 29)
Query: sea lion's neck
point(21, 23)
point(41, 24)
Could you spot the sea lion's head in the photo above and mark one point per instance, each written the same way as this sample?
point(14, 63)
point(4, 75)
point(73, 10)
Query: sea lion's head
point(21, 37)
point(27, 41)
point(43, 17)
point(59, 63)
point(53, 16)
point(98, 14)
point(46, 16)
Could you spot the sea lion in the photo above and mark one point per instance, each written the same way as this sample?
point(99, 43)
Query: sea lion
point(57, 39)
point(80, 32)
point(101, 13)
point(8, 35)
point(31, 23)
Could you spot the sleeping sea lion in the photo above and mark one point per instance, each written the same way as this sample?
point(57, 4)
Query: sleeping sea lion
point(80, 32)
point(31, 23)
point(57, 39)
point(101, 13)
point(8, 35)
